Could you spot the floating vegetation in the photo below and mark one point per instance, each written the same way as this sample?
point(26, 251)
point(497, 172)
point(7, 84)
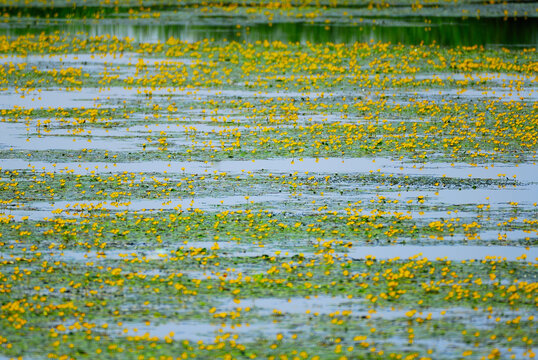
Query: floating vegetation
point(277, 180)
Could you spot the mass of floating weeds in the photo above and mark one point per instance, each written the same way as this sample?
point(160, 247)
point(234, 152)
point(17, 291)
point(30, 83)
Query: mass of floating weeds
point(234, 199)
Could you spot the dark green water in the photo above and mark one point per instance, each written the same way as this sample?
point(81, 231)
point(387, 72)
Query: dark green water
point(443, 31)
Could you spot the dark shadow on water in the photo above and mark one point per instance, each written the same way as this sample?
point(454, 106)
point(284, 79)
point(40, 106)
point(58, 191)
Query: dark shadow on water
point(443, 31)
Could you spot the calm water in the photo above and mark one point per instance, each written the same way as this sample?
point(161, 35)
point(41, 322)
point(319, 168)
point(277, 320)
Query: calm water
point(444, 31)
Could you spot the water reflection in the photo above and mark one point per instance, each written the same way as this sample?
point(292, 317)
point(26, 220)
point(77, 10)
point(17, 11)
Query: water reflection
point(450, 31)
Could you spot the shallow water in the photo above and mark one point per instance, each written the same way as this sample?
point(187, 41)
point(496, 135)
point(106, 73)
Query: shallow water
point(50, 99)
point(383, 252)
point(156, 204)
point(491, 93)
point(294, 305)
point(16, 137)
point(525, 196)
point(463, 252)
point(522, 172)
point(101, 59)
point(198, 330)
point(93, 96)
